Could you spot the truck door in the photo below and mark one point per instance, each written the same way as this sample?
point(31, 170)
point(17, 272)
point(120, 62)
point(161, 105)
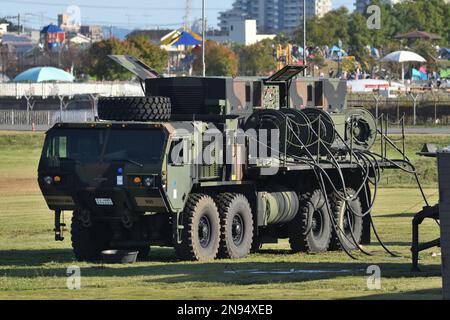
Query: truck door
point(179, 175)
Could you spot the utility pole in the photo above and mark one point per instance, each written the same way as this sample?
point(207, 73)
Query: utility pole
point(304, 37)
point(203, 39)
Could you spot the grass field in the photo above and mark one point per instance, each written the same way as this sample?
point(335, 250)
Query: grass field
point(33, 266)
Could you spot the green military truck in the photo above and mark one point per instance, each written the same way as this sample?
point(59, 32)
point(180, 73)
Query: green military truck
point(189, 166)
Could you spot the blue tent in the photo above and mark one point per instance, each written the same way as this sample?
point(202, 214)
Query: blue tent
point(187, 39)
point(337, 52)
point(51, 28)
point(444, 53)
point(44, 74)
point(418, 75)
point(375, 53)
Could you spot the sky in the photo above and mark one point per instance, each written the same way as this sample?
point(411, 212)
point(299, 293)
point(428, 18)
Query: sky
point(121, 13)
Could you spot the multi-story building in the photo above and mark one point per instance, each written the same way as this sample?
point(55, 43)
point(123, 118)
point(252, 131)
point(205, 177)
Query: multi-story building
point(273, 16)
point(66, 24)
point(95, 33)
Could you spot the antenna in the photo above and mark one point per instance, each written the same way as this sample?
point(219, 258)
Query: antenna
point(187, 15)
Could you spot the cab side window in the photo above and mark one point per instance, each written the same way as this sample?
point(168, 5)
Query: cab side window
point(57, 147)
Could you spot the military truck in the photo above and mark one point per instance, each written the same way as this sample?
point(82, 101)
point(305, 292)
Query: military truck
point(179, 168)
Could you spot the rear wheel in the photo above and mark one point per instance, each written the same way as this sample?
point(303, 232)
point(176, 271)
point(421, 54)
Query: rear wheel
point(236, 226)
point(201, 234)
point(89, 242)
point(310, 231)
point(349, 222)
point(134, 108)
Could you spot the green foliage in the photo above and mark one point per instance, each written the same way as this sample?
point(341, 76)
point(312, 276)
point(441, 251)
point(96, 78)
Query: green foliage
point(359, 39)
point(221, 60)
point(101, 67)
point(256, 60)
point(327, 30)
point(423, 15)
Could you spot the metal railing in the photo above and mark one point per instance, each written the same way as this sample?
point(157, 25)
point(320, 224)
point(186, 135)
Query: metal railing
point(45, 90)
point(28, 120)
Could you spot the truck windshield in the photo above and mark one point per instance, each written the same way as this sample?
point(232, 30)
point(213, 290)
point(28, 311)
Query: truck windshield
point(94, 145)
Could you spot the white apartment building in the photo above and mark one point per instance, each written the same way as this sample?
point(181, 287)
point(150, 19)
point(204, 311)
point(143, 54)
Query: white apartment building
point(241, 32)
point(274, 16)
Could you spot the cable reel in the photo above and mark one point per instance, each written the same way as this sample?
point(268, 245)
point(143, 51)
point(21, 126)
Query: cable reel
point(323, 130)
point(268, 120)
point(299, 128)
point(360, 129)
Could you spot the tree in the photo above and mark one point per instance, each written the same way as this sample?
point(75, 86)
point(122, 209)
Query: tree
point(423, 15)
point(101, 67)
point(359, 37)
point(327, 30)
point(256, 59)
point(220, 60)
point(151, 54)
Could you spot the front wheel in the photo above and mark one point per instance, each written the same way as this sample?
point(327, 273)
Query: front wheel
point(200, 236)
point(89, 242)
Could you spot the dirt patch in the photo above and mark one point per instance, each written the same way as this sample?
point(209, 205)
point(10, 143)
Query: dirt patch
point(18, 185)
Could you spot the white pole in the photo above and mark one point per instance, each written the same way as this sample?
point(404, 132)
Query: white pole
point(304, 36)
point(203, 39)
point(403, 72)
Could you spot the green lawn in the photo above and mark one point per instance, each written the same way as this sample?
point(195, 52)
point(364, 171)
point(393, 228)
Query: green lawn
point(33, 266)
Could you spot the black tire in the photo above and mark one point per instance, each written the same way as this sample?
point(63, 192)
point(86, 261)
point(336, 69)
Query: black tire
point(311, 229)
point(134, 109)
point(144, 253)
point(345, 227)
point(200, 238)
point(236, 222)
point(256, 245)
point(89, 242)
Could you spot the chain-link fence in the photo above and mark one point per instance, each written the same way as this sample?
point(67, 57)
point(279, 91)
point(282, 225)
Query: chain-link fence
point(426, 108)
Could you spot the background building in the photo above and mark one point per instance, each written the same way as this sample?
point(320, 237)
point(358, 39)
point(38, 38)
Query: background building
point(95, 33)
point(273, 16)
point(242, 32)
point(66, 23)
point(52, 36)
point(3, 28)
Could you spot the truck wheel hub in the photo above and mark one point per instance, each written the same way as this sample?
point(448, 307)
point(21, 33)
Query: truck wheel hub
point(237, 229)
point(204, 231)
point(317, 224)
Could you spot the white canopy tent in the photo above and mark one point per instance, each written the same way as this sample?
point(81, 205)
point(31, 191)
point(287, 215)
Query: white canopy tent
point(403, 57)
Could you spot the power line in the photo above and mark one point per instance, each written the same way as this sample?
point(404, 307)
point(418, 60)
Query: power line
point(90, 6)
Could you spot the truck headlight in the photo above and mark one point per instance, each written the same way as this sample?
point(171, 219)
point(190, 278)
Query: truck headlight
point(48, 180)
point(149, 181)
